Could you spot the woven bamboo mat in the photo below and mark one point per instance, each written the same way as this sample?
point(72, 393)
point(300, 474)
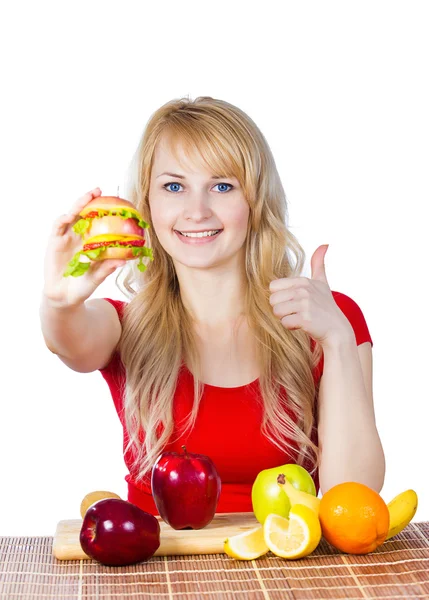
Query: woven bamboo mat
point(398, 569)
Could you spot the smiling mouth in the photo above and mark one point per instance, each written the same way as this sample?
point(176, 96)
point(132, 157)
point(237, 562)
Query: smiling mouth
point(198, 239)
point(198, 235)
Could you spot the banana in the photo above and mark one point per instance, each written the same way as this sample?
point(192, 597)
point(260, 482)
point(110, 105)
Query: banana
point(296, 496)
point(401, 510)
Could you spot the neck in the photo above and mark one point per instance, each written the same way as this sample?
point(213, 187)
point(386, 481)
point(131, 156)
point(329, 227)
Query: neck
point(214, 297)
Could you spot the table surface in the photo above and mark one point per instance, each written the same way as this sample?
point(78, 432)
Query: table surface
point(397, 569)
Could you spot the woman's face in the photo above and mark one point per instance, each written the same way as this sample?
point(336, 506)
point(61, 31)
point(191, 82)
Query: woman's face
point(193, 199)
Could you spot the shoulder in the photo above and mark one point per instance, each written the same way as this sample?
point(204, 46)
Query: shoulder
point(345, 302)
point(354, 314)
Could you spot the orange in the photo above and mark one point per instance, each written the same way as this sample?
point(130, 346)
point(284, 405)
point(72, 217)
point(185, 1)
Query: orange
point(354, 518)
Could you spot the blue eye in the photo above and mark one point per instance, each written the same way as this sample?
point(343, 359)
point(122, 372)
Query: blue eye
point(167, 184)
point(174, 183)
point(224, 184)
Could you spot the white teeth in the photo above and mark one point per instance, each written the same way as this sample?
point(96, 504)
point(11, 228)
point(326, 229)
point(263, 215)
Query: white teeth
point(200, 234)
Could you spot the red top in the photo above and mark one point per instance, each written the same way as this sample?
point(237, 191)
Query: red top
point(227, 428)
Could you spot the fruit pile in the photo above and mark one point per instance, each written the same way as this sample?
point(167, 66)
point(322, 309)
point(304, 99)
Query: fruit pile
point(186, 487)
point(351, 516)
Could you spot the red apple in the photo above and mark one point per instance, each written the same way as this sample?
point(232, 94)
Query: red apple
point(186, 489)
point(116, 532)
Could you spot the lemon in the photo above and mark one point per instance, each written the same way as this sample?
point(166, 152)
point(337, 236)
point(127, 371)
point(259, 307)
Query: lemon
point(247, 545)
point(294, 537)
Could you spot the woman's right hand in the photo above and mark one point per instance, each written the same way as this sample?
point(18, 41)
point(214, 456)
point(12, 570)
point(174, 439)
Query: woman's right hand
point(63, 243)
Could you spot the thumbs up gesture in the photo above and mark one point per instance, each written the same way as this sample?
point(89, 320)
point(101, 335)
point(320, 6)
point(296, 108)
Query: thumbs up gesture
point(307, 303)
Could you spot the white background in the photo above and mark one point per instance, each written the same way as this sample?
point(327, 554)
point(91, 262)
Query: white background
point(339, 89)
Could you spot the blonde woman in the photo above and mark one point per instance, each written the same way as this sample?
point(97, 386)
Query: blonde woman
point(223, 345)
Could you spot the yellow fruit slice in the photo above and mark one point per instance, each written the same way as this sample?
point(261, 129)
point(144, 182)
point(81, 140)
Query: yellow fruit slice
point(94, 497)
point(294, 537)
point(247, 545)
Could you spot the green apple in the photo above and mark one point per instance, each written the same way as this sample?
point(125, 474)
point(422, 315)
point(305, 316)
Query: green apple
point(268, 497)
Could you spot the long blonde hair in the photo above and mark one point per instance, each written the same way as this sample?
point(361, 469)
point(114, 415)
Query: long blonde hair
point(158, 332)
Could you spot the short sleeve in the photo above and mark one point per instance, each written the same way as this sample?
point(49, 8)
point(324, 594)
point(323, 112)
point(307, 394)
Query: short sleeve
point(119, 305)
point(355, 316)
point(114, 364)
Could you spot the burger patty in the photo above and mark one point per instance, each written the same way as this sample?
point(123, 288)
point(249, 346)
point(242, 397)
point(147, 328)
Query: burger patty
point(137, 243)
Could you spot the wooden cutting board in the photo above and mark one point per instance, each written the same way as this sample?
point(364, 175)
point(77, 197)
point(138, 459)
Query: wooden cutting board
point(208, 540)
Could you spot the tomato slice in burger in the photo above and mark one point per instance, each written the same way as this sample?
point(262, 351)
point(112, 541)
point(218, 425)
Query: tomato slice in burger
point(93, 214)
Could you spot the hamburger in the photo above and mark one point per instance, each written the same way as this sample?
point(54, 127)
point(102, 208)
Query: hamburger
point(110, 227)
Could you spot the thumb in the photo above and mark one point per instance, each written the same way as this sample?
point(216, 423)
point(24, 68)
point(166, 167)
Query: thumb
point(318, 263)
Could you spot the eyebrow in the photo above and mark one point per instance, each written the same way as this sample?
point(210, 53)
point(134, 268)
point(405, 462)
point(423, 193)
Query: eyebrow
point(183, 177)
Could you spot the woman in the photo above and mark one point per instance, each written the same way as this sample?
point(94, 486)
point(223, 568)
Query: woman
point(286, 363)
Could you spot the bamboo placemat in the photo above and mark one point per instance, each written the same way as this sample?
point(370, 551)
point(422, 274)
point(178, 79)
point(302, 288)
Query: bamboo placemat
point(397, 569)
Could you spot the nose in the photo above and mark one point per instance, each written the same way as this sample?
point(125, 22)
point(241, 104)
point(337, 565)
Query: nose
point(197, 206)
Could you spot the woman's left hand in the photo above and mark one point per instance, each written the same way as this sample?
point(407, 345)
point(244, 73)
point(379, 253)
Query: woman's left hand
point(308, 304)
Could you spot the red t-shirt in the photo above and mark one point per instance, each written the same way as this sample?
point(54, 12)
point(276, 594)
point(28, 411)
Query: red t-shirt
point(227, 428)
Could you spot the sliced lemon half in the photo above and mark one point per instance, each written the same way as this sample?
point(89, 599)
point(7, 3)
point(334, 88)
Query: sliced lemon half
point(247, 545)
point(294, 537)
